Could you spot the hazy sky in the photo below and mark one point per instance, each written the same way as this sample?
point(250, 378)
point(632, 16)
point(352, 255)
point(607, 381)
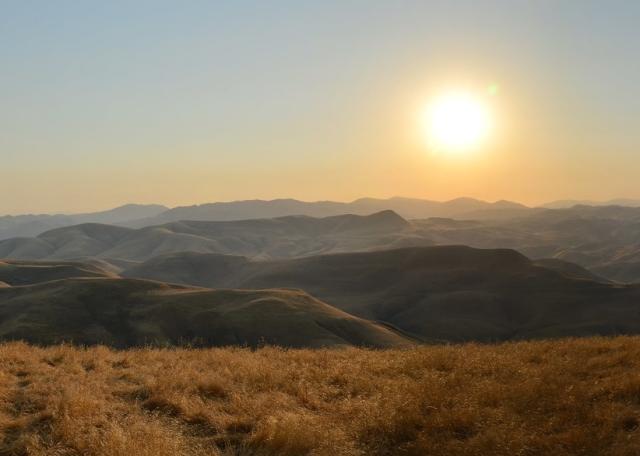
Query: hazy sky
point(184, 102)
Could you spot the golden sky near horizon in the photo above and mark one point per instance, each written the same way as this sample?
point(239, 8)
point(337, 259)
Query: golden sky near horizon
point(319, 102)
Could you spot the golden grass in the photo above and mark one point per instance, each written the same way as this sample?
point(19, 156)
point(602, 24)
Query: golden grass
point(576, 397)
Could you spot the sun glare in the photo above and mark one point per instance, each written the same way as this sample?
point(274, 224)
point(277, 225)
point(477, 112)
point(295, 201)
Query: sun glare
point(456, 121)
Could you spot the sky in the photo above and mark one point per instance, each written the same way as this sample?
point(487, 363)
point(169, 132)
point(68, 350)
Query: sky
point(186, 102)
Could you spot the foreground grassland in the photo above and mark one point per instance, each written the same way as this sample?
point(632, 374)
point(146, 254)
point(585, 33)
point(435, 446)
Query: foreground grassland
point(552, 397)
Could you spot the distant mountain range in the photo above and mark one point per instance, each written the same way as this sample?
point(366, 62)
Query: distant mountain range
point(605, 240)
point(406, 207)
point(565, 204)
point(139, 216)
point(32, 225)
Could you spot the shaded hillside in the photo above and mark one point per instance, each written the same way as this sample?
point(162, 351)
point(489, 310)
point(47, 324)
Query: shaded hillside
point(622, 270)
point(568, 269)
point(126, 312)
point(547, 398)
point(452, 293)
point(14, 272)
point(264, 238)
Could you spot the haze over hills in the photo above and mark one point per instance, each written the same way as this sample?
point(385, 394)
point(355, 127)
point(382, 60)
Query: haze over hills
point(450, 293)
point(265, 238)
point(138, 216)
point(604, 239)
point(405, 207)
point(565, 204)
point(32, 225)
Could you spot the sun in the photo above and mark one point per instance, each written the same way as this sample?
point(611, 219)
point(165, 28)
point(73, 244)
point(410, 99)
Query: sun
point(456, 121)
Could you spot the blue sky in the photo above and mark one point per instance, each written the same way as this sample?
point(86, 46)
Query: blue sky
point(184, 102)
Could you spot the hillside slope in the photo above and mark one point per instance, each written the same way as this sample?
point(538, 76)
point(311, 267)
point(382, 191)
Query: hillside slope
point(14, 272)
point(127, 312)
point(451, 293)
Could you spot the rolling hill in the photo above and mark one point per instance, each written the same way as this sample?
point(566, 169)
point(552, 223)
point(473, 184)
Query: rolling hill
point(433, 294)
point(444, 293)
point(264, 238)
point(605, 240)
point(141, 215)
point(128, 312)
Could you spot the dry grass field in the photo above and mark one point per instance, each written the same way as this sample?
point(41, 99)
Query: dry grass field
point(575, 397)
